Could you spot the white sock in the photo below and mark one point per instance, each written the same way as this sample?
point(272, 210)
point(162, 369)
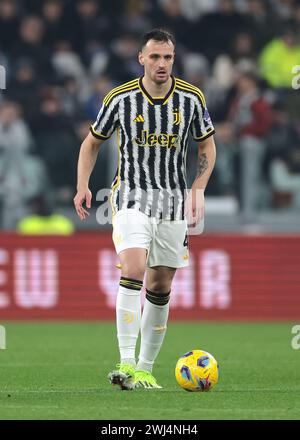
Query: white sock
point(153, 330)
point(128, 310)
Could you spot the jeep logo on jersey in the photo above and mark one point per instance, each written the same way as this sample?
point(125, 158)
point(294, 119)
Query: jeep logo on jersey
point(151, 139)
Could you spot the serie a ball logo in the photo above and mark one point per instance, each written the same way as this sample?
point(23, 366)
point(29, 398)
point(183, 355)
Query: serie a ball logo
point(197, 370)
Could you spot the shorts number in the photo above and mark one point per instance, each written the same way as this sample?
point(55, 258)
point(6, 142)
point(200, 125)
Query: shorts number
point(186, 243)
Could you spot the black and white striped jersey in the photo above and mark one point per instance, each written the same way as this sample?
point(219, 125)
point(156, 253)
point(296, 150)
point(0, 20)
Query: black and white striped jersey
point(153, 138)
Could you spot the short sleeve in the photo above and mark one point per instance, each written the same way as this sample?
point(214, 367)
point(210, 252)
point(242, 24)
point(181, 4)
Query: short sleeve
point(202, 126)
point(107, 120)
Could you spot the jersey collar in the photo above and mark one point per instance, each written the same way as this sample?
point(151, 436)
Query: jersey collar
point(157, 101)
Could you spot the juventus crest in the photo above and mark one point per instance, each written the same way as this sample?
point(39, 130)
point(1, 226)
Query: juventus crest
point(177, 117)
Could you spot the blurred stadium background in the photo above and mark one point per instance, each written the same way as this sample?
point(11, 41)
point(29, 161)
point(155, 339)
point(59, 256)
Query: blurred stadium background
point(61, 57)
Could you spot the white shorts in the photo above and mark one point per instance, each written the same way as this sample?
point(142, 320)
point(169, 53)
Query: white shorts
point(166, 241)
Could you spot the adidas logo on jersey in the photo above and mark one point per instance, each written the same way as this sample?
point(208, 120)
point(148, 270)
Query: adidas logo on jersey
point(139, 118)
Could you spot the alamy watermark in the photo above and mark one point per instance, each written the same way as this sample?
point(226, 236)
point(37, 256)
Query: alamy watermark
point(2, 77)
point(296, 339)
point(2, 338)
point(159, 204)
point(296, 78)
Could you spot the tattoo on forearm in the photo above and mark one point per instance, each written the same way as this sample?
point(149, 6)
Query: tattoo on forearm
point(202, 164)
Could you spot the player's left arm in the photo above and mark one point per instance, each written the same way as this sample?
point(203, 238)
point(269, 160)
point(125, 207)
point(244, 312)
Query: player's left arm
point(194, 209)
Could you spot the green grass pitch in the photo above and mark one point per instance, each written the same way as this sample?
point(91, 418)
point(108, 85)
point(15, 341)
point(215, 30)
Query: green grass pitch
point(59, 371)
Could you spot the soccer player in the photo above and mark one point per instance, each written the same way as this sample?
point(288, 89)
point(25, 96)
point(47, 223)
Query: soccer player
point(153, 116)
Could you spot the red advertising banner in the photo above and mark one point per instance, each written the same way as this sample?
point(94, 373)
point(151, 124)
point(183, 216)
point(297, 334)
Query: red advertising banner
point(232, 277)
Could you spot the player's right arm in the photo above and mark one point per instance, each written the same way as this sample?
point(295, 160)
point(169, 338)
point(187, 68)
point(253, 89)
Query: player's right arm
point(101, 130)
point(87, 158)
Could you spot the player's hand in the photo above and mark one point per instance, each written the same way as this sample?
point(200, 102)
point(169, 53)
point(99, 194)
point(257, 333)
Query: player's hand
point(83, 196)
point(194, 206)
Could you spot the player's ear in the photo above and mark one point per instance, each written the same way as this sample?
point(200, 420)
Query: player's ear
point(141, 58)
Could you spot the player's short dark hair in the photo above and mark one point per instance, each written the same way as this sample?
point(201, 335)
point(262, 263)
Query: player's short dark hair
point(161, 35)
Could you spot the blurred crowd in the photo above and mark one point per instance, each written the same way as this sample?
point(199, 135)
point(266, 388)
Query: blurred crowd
point(61, 57)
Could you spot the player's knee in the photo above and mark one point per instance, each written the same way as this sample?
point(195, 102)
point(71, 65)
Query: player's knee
point(159, 286)
point(134, 272)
